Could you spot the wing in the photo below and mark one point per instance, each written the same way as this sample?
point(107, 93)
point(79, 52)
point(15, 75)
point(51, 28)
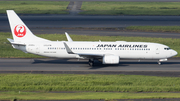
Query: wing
point(84, 55)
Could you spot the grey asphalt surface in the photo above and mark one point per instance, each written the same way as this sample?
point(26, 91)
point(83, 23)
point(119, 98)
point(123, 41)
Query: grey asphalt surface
point(50, 24)
point(105, 32)
point(144, 67)
point(51, 21)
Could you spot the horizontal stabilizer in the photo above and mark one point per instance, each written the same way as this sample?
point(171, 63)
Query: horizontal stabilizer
point(15, 43)
point(10, 40)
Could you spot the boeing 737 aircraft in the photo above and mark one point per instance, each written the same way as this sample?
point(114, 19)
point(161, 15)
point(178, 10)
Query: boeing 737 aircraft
point(107, 52)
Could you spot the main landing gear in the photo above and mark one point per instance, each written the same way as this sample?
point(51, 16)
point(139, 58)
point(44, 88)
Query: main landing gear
point(91, 62)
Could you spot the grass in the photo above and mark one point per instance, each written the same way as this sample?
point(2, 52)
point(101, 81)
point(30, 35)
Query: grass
point(85, 95)
point(6, 50)
point(34, 7)
point(88, 82)
point(155, 28)
point(131, 8)
point(92, 8)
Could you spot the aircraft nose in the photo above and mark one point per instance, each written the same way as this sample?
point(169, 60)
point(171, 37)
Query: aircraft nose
point(174, 53)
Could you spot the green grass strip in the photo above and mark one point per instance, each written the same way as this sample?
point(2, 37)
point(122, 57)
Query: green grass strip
point(155, 28)
point(6, 50)
point(88, 82)
point(34, 7)
point(84, 95)
point(131, 8)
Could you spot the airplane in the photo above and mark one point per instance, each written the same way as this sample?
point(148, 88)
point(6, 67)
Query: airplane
point(107, 52)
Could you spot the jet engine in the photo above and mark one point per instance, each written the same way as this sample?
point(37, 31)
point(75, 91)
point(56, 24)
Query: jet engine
point(111, 59)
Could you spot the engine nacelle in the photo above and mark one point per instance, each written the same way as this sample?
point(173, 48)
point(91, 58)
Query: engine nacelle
point(110, 59)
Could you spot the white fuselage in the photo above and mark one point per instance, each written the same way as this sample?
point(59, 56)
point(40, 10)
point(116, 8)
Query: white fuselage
point(126, 50)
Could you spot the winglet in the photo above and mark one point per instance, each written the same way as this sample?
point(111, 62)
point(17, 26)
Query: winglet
point(69, 51)
point(68, 37)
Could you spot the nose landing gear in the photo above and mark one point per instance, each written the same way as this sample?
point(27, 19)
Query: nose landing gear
point(159, 63)
point(160, 60)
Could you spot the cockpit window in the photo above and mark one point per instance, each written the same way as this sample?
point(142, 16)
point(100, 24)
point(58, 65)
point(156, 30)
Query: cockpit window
point(167, 48)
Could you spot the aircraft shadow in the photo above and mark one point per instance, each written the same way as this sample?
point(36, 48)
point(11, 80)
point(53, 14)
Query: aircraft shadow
point(99, 64)
point(58, 61)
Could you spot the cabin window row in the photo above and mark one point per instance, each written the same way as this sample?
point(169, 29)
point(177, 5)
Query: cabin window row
point(75, 48)
point(56, 48)
point(86, 48)
point(99, 48)
point(132, 48)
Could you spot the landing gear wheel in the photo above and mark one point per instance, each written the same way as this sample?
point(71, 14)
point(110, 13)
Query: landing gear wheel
point(91, 62)
point(159, 63)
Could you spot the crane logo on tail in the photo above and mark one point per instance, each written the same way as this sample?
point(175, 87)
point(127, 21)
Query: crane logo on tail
point(20, 30)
